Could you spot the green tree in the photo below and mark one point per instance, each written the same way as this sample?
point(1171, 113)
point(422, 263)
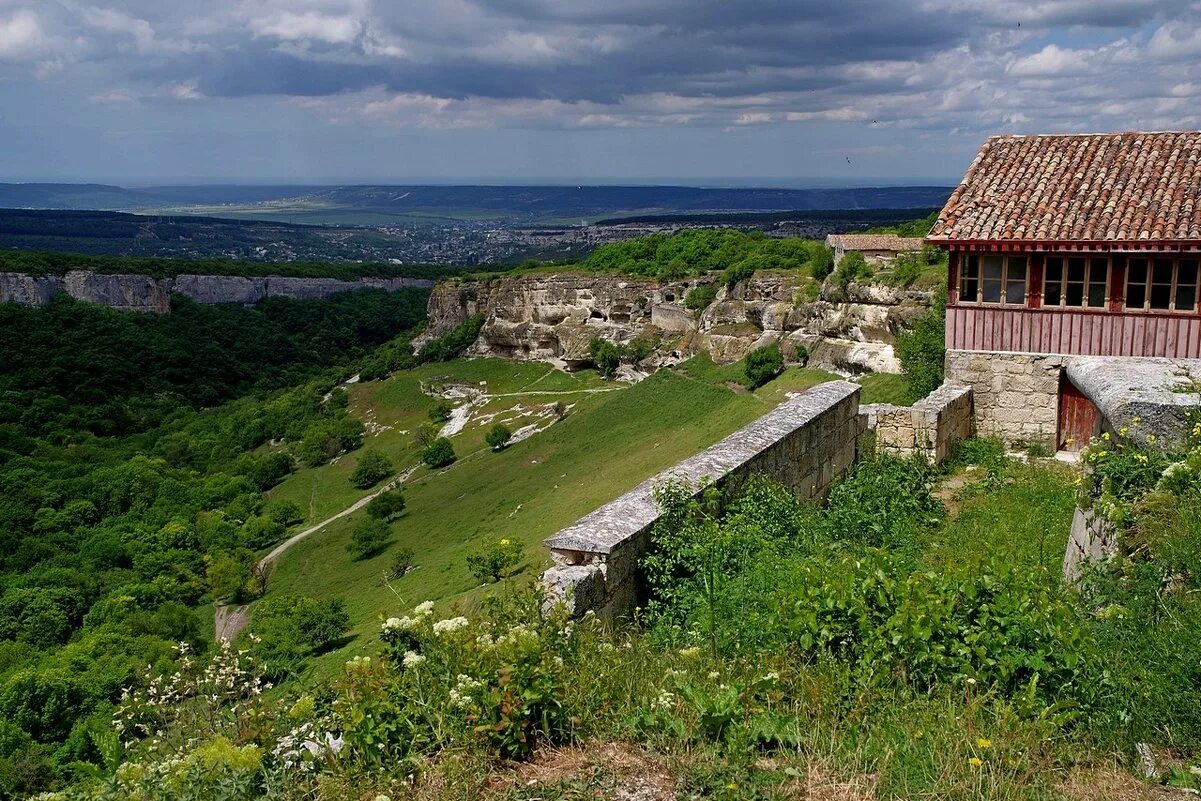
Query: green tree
point(440, 412)
point(290, 628)
point(402, 563)
point(605, 355)
point(498, 436)
point(492, 562)
point(372, 468)
point(851, 268)
point(439, 453)
point(369, 536)
point(923, 348)
point(232, 576)
point(387, 506)
point(763, 364)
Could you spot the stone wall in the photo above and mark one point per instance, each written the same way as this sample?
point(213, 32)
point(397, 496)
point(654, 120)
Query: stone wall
point(930, 427)
point(1016, 395)
point(805, 443)
point(143, 293)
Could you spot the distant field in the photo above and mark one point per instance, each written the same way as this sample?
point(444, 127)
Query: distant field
point(609, 441)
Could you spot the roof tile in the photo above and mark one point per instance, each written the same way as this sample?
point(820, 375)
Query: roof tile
point(1107, 187)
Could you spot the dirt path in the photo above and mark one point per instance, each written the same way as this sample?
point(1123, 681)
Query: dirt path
point(228, 621)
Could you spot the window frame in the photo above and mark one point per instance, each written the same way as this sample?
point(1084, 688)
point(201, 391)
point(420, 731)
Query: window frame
point(1173, 287)
point(1006, 280)
point(1063, 281)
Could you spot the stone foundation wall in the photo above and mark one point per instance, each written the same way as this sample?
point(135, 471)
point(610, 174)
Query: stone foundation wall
point(930, 427)
point(1016, 395)
point(805, 443)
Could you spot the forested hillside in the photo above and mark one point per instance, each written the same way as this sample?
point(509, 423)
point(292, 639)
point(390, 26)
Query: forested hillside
point(124, 494)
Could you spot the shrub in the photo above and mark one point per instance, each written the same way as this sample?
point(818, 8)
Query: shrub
point(922, 349)
point(291, 627)
point(491, 563)
point(440, 412)
point(372, 468)
point(763, 364)
point(369, 536)
point(852, 267)
point(907, 268)
point(560, 410)
point(387, 506)
point(439, 453)
point(605, 356)
point(402, 563)
point(698, 299)
point(453, 343)
point(498, 436)
point(821, 262)
point(884, 502)
point(737, 273)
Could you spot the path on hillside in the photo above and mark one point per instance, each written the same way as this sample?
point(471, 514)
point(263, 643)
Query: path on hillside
point(229, 620)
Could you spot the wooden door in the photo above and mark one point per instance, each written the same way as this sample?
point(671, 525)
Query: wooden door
point(1079, 419)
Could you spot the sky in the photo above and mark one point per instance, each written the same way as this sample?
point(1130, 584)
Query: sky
point(763, 92)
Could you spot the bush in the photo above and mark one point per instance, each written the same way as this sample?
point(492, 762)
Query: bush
point(292, 627)
point(763, 364)
point(736, 273)
point(402, 563)
point(490, 564)
point(372, 468)
point(821, 263)
point(698, 299)
point(440, 412)
point(387, 506)
point(498, 436)
point(605, 356)
point(852, 267)
point(922, 350)
point(560, 410)
point(439, 453)
point(369, 536)
point(884, 502)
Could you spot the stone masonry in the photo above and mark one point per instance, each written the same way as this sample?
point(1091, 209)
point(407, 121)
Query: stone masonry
point(1016, 395)
point(930, 427)
point(805, 443)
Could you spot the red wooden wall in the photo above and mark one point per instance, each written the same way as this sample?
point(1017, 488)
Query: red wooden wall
point(1073, 332)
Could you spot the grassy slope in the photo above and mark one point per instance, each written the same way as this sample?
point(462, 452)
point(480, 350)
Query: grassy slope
point(608, 443)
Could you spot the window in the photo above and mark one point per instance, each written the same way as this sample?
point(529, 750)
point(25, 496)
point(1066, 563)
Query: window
point(1161, 284)
point(993, 278)
point(1078, 281)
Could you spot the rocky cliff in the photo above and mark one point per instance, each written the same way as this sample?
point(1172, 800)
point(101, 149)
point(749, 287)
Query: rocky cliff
point(146, 294)
point(554, 317)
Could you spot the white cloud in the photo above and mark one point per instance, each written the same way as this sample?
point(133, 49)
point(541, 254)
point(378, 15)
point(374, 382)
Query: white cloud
point(309, 25)
point(1050, 62)
point(21, 35)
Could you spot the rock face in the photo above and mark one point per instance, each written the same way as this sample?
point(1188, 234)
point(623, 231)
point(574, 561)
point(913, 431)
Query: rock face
point(145, 294)
point(554, 317)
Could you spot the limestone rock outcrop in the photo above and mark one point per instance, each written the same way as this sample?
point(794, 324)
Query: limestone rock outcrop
point(553, 317)
point(134, 292)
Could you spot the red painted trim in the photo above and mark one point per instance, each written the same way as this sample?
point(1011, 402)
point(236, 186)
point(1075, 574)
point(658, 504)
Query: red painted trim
point(1128, 245)
point(1117, 283)
point(952, 278)
point(1035, 279)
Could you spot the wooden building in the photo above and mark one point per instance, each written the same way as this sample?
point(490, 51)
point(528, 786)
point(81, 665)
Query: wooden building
point(1076, 245)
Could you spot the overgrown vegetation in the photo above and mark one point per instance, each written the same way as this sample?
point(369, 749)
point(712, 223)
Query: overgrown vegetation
point(683, 254)
point(922, 349)
point(784, 643)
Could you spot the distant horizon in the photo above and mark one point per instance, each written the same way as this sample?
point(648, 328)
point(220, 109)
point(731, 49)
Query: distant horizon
point(651, 182)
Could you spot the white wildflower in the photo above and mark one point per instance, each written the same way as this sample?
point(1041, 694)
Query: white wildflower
point(424, 609)
point(412, 659)
point(450, 624)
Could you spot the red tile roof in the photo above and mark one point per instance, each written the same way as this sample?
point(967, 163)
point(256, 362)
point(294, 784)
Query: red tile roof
point(1120, 187)
point(900, 244)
